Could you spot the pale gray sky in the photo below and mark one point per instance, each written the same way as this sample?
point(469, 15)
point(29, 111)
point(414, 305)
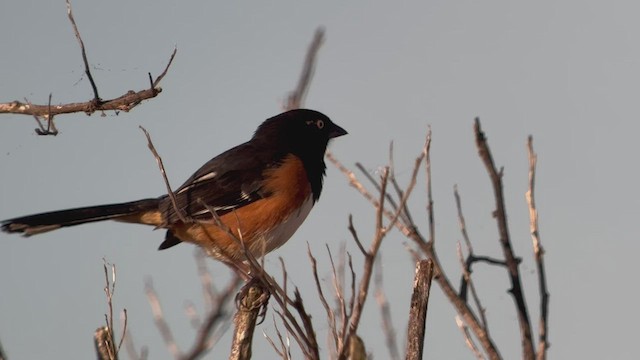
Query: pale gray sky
point(565, 72)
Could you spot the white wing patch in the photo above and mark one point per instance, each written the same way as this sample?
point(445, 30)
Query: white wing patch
point(204, 177)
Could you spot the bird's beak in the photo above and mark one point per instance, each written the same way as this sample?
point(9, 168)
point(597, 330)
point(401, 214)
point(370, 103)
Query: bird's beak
point(336, 131)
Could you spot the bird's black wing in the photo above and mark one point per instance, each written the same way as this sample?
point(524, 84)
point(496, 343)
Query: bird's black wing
point(229, 181)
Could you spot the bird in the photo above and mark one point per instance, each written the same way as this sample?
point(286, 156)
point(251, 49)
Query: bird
point(250, 198)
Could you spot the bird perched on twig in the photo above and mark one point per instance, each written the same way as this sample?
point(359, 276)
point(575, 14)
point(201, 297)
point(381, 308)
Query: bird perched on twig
point(252, 197)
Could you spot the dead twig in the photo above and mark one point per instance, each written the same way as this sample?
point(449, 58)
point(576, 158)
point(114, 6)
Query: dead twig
point(51, 126)
point(466, 265)
point(333, 332)
point(103, 341)
point(245, 322)
point(217, 313)
point(104, 337)
point(418, 309)
point(411, 231)
point(528, 351)
point(385, 314)
point(170, 193)
point(468, 338)
point(158, 318)
point(125, 102)
point(87, 71)
point(296, 97)
point(538, 251)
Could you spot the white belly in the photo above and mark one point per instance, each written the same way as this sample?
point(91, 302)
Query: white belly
point(279, 235)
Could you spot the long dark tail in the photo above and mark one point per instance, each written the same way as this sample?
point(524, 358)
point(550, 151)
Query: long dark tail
point(39, 223)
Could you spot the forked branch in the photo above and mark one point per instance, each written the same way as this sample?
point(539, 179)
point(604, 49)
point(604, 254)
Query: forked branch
point(125, 102)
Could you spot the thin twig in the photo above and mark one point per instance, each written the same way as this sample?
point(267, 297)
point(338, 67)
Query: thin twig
point(206, 281)
point(51, 126)
point(354, 235)
point(468, 339)
point(203, 342)
point(528, 351)
point(341, 304)
point(323, 300)
point(96, 97)
point(385, 313)
point(161, 323)
point(466, 265)
point(124, 319)
point(156, 82)
point(284, 350)
point(466, 275)
point(296, 97)
point(131, 348)
point(538, 251)
point(426, 151)
point(172, 196)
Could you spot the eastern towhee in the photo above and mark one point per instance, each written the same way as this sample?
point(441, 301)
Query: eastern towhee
point(261, 191)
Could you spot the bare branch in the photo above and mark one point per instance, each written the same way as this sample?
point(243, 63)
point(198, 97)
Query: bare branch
point(124, 319)
point(284, 351)
point(354, 235)
point(203, 341)
point(466, 265)
point(385, 313)
point(528, 351)
point(466, 275)
point(131, 348)
point(418, 309)
point(245, 322)
point(367, 272)
point(124, 102)
point(538, 251)
point(468, 339)
point(96, 97)
point(51, 126)
point(296, 98)
point(411, 232)
point(156, 82)
point(104, 337)
point(172, 196)
point(206, 281)
point(325, 304)
point(103, 341)
point(430, 213)
point(161, 323)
